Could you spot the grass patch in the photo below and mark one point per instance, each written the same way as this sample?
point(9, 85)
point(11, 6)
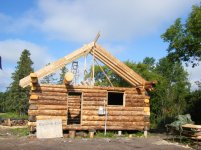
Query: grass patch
point(139, 134)
point(102, 134)
point(20, 131)
point(13, 115)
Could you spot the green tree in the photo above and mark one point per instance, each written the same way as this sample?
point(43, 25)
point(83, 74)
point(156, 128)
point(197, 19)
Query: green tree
point(172, 88)
point(194, 105)
point(168, 96)
point(17, 98)
point(63, 70)
point(2, 98)
point(184, 39)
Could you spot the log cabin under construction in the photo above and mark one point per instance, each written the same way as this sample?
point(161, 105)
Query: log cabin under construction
point(89, 107)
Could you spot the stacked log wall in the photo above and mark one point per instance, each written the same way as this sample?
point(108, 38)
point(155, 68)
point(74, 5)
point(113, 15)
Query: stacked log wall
point(47, 102)
point(51, 102)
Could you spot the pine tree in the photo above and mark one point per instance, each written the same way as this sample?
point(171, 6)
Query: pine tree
point(62, 74)
point(17, 100)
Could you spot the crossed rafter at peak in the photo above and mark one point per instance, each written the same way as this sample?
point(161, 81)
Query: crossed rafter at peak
point(99, 53)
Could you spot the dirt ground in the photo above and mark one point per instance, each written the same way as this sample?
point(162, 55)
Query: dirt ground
point(9, 142)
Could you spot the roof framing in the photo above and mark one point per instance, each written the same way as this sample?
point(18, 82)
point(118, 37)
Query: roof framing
point(99, 53)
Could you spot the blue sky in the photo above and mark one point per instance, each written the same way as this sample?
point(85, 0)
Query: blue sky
point(50, 29)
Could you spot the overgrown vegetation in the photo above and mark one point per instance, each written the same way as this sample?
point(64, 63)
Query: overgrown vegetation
point(19, 131)
point(13, 115)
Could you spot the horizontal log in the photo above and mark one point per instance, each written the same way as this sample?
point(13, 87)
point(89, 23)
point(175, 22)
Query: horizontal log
point(74, 98)
point(73, 127)
point(74, 107)
point(134, 100)
point(64, 118)
point(147, 109)
point(74, 104)
point(48, 102)
point(136, 105)
point(112, 123)
point(74, 115)
point(79, 127)
point(94, 104)
point(94, 94)
point(88, 87)
point(131, 96)
point(43, 93)
point(34, 97)
point(134, 92)
point(51, 89)
point(114, 118)
point(47, 112)
point(115, 113)
point(52, 107)
point(111, 108)
point(94, 98)
point(90, 103)
point(34, 123)
point(58, 98)
point(33, 107)
point(74, 101)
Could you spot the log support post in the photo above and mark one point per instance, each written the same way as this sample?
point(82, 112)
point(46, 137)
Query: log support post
point(145, 131)
point(34, 81)
point(119, 133)
point(72, 134)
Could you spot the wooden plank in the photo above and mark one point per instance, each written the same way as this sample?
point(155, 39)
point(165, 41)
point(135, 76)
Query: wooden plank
point(136, 79)
point(58, 64)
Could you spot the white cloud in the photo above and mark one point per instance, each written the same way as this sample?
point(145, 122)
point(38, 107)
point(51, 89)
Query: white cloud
point(194, 75)
point(80, 20)
point(117, 20)
point(10, 51)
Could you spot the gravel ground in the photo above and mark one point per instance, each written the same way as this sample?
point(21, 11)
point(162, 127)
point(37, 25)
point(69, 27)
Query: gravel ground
point(153, 142)
point(27, 143)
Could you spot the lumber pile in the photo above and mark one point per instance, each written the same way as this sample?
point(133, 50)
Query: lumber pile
point(192, 131)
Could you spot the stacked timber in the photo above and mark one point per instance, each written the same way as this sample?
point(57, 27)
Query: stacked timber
point(74, 108)
point(191, 130)
point(78, 107)
point(47, 102)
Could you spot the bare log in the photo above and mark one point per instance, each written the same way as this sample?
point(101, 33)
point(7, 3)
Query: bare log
point(64, 118)
point(68, 78)
point(115, 113)
point(52, 107)
point(94, 94)
point(114, 118)
point(48, 102)
point(47, 112)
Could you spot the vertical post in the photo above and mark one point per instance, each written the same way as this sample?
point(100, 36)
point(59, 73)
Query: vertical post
point(93, 71)
point(105, 121)
point(145, 131)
